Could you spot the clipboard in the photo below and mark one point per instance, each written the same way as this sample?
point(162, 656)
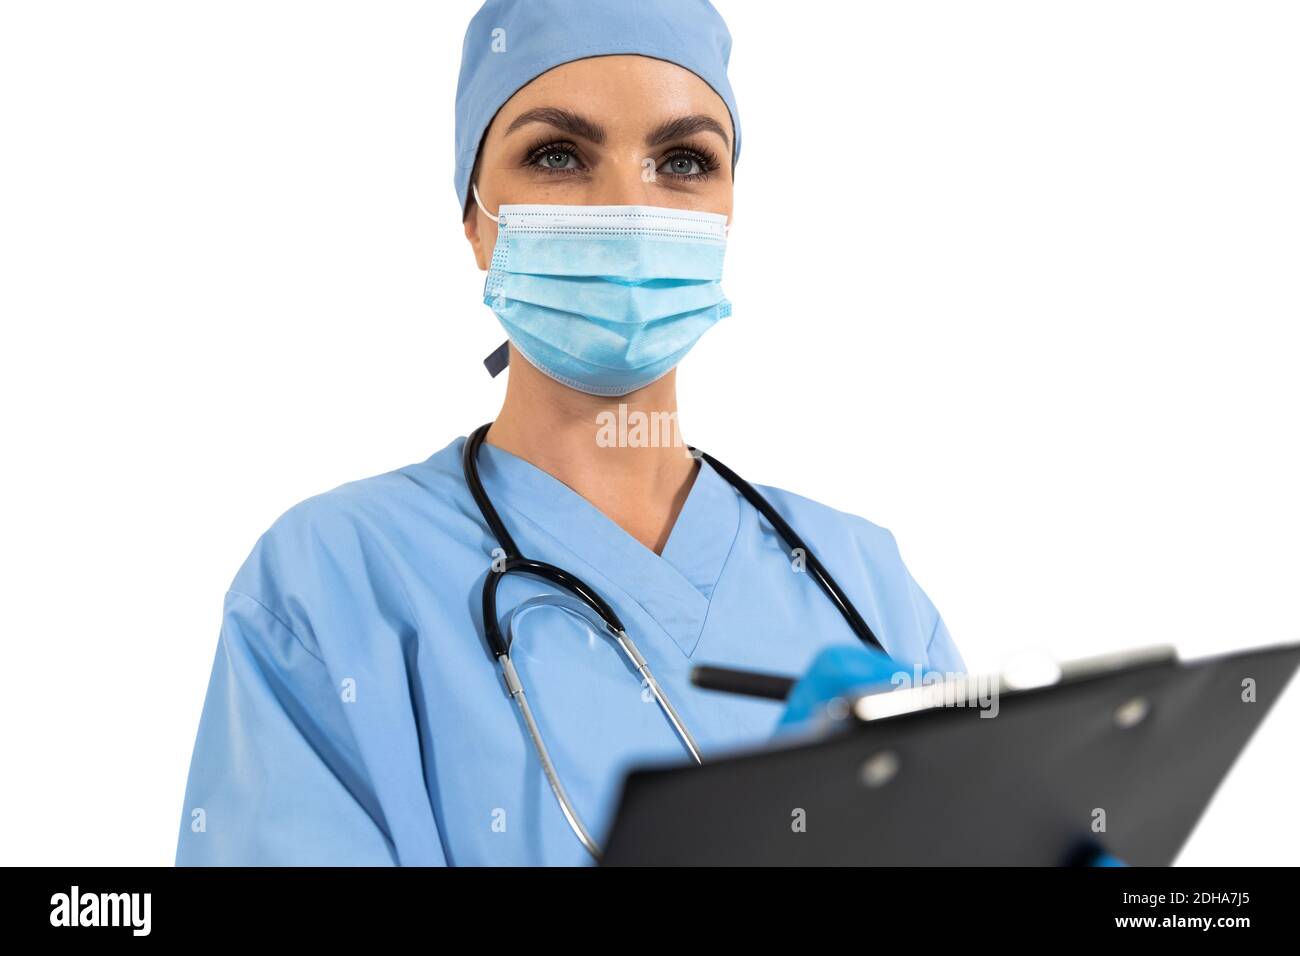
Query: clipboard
point(1123, 754)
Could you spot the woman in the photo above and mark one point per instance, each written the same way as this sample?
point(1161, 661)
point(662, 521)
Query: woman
point(356, 712)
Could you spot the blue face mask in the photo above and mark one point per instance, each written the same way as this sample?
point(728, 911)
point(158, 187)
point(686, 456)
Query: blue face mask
point(606, 299)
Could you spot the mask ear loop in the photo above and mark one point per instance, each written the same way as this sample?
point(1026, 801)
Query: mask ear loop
point(474, 186)
point(500, 358)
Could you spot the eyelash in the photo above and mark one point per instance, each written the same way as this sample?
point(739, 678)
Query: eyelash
point(707, 161)
point(546, 147)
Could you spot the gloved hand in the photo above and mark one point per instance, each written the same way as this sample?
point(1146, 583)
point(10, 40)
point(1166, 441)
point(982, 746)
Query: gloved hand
point(836, 672)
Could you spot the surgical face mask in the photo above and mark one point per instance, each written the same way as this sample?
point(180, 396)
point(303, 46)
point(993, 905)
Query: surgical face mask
point(605, 299)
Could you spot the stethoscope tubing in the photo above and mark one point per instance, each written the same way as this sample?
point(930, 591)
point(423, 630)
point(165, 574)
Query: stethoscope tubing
point(587, 602)
point(794, 544)
point(515, 562)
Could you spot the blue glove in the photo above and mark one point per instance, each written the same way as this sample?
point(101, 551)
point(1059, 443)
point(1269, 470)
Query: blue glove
point(836, 672)
point(1102, 858)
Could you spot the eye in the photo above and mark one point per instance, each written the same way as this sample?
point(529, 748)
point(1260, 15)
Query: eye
point(558, 160)
point(682, 166)
point(688, 164)
point(554, 158)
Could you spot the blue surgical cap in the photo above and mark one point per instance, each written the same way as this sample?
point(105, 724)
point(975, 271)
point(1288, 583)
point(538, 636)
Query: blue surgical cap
point(511, 42)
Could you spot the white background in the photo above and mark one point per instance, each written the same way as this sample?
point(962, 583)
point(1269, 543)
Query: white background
point(1016, 280)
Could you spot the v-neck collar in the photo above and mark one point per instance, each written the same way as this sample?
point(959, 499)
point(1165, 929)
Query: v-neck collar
point(674, 587)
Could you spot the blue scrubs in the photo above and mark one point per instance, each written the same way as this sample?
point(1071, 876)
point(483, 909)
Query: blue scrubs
point(355, 715)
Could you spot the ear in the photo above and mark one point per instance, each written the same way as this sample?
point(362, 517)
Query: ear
point(482, 251)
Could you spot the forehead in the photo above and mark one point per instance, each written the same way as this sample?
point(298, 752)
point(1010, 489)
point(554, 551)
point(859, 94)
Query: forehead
point(626, 92)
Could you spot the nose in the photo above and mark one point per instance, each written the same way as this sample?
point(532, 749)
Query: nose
point(623, 183)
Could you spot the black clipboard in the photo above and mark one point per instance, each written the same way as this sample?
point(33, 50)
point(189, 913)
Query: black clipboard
point(1146, 742)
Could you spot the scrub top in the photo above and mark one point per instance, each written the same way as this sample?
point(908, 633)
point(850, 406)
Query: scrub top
point(355, 715)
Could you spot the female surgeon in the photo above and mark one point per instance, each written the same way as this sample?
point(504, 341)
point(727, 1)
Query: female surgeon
point(358, 710)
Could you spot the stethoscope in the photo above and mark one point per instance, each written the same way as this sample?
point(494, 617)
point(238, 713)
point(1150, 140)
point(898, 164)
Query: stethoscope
point(583, 600)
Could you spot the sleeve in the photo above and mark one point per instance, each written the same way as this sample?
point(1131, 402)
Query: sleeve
point(276, 777)
point(941, 652)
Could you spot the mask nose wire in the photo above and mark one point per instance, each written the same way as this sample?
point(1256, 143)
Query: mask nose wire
point(483, 207)
point(474, 186)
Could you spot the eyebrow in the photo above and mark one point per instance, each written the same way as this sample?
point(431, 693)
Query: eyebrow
point(572, 123)
point(575, 124)
point(684, 126)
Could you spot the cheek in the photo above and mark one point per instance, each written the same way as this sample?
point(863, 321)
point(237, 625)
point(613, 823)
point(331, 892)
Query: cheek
point(720, 198)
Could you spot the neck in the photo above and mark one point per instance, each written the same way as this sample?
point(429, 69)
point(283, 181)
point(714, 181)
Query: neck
point(624, 454)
